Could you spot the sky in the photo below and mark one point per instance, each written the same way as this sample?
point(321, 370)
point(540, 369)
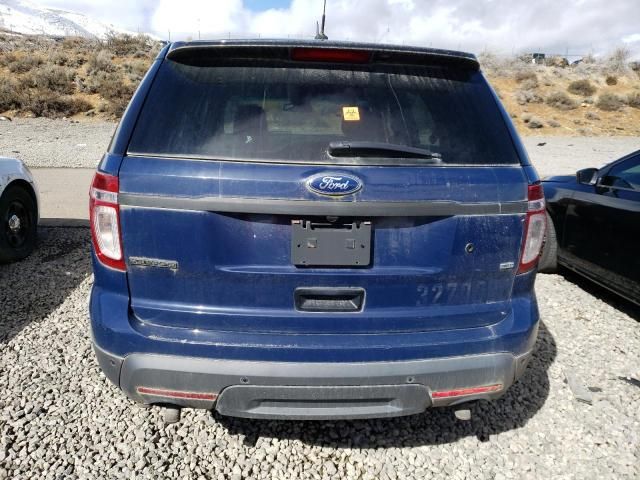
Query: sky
point(501, 26)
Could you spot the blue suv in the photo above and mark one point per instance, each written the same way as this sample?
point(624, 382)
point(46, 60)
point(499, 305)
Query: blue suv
point(312, 230)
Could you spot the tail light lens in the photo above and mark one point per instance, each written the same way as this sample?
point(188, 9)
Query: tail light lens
point(334, 55)
point(534, 229)
point(104, 215)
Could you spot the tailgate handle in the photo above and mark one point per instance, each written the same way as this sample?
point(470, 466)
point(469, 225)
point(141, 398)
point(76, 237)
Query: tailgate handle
point(329, 299)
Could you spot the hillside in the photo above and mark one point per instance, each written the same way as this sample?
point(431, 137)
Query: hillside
point(25, 17)
point(593, 98)
point(89, 78)
point(73, 76)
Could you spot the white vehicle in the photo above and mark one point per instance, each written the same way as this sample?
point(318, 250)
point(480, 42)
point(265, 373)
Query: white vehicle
point(18, 210)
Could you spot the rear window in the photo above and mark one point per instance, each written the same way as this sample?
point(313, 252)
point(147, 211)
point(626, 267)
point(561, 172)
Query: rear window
point(291, 113)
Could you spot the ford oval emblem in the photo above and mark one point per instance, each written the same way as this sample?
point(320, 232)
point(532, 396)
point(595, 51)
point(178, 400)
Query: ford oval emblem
point(334, 184)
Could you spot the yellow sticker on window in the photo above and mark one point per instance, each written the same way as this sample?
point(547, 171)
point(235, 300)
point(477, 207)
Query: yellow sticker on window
point(351, 114)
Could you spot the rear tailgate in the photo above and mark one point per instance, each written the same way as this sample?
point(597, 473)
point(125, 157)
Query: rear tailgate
point(450, 263)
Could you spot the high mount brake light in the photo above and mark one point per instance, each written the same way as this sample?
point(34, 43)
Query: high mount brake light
point(535, 226)
point(333, 55)
point(104, 216)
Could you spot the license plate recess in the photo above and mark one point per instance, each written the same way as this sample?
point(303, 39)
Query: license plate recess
point(331, 244)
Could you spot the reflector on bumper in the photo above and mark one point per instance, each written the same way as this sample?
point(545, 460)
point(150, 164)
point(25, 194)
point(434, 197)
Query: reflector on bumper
point(159, 392)
point(462, 392)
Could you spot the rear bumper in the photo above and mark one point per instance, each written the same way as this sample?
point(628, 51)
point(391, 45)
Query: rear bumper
point(297, 390)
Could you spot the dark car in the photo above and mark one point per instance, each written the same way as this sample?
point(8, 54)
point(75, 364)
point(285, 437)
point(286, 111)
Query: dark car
point(594, 225)
point(314, 230)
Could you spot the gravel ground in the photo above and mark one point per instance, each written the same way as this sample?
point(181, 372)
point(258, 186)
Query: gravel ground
point(60, 417)
point(41, 142)
point(565, 155)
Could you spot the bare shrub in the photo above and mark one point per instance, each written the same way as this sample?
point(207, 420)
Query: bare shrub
point(80, 45)
point(618, 60)
point(633, 100)
point(523, 97)
point(7, 58)
point(25, 63)
point(67, 59)
point(136, 69)
point(100, 62)
point(582, 87)
point(523, 75)
point(611, 80)
point(610, 102)
point(44, 104)
point(111, 87)
point(52, 77)
point(107, 84)
point(11, 94)
point(561, 101)
point(117, 106)
point(529, 84)
point(59, 58)
point(534, 123)
point(557, 61)
point(553, 123)
point(125, 44)
point(137, 66)
point(488, 61)
point(592, 116)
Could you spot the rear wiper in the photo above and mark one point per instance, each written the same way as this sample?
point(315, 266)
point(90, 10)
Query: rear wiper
point(378, 149)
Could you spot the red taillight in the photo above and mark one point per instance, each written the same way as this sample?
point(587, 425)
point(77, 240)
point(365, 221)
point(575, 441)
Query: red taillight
point(534, 229)
point(463, 392)
point(104, 216)
point(330, 55)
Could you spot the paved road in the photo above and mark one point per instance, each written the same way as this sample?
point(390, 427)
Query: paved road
point(64, 194)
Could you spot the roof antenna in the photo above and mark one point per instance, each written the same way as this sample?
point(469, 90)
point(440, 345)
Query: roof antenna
point(320, 30)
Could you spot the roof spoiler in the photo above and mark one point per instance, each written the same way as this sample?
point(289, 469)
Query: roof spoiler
point(211, 53)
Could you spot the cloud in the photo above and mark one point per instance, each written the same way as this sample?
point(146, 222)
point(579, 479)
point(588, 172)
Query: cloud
point(188, 16)
point(504, 26)
point(131, 15)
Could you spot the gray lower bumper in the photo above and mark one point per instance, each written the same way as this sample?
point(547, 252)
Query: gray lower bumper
point(308, 390)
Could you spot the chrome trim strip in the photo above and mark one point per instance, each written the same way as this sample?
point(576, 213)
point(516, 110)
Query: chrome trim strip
point(322, 208)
